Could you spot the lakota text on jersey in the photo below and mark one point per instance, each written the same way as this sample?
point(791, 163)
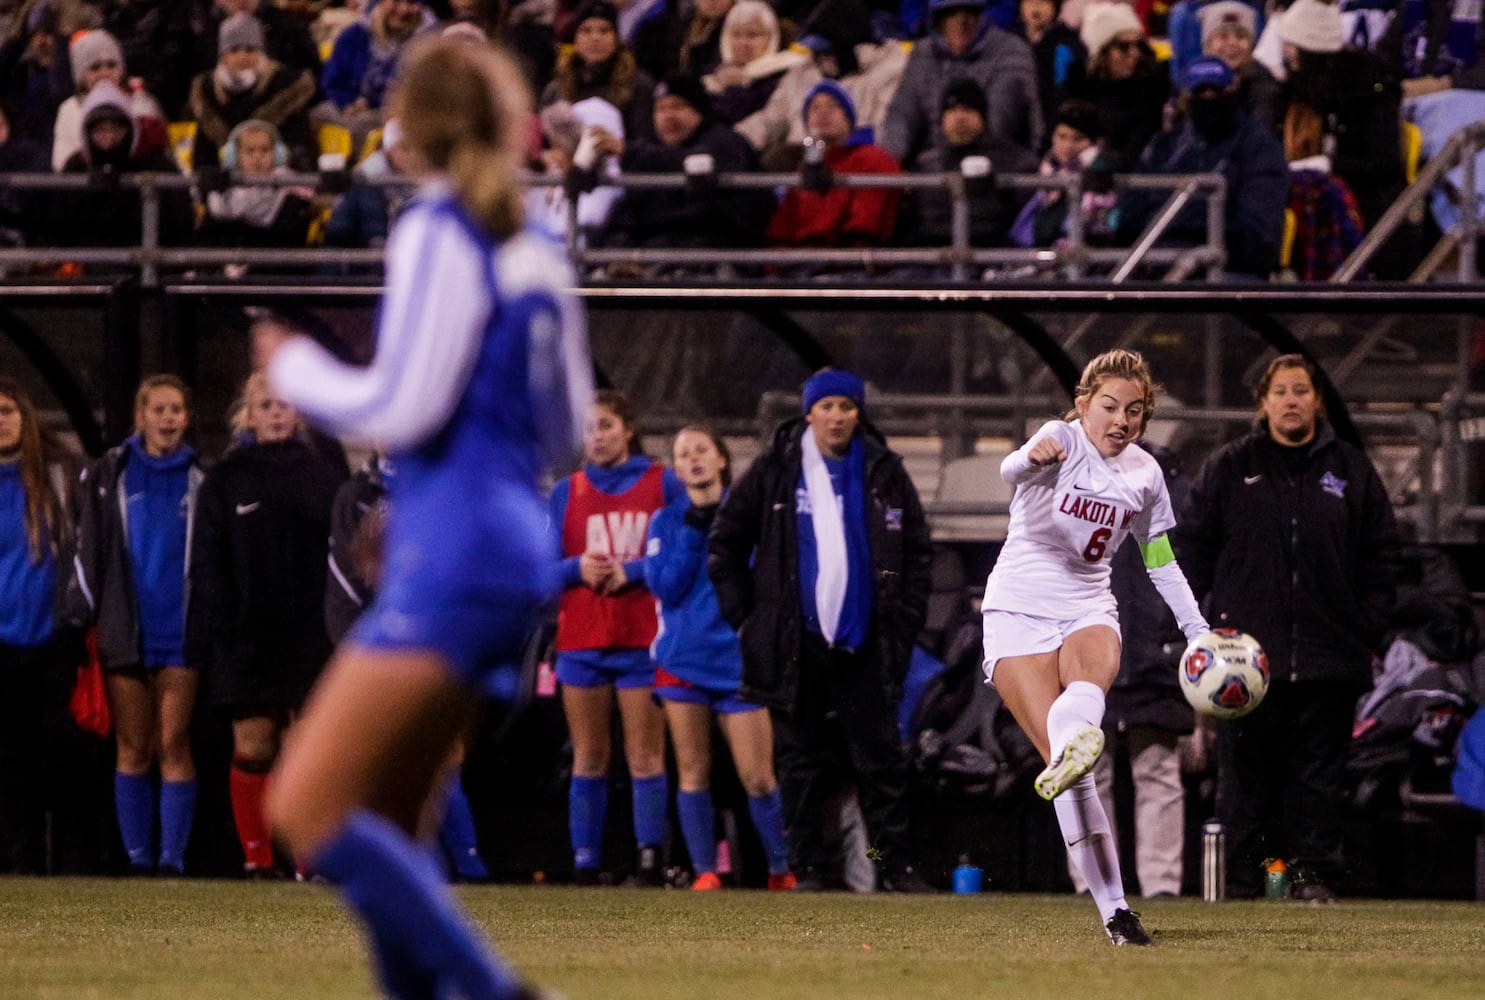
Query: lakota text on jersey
point(1095, 511)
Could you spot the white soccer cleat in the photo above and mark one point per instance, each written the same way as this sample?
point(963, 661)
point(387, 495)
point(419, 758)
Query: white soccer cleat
point(1071, 763)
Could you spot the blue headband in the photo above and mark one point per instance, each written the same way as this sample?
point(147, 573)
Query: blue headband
point(834, 382)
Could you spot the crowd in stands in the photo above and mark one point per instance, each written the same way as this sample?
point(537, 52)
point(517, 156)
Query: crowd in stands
point(1311, 89)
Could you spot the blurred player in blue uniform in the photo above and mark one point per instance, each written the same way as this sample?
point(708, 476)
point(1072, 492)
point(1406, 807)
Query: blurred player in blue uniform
point(479, 383)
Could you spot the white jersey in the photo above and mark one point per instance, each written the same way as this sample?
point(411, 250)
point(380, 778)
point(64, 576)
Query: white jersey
point(1068, 519)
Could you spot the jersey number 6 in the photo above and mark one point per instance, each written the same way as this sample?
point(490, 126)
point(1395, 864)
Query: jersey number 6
point(1097, 542)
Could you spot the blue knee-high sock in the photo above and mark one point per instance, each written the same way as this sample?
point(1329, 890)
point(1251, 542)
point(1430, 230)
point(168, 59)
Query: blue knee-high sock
point(134, 802)
point(587, 808)
point(768, 818)
point(177, 813)
point(698, 826)
point(424, 946)
point(458, 834)
point(651, 796)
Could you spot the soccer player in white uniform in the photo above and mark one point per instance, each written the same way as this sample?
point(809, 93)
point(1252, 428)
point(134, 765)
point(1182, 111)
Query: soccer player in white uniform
point(1051, 624)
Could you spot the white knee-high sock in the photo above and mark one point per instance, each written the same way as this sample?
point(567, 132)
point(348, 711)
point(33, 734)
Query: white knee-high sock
point(1079, 706)
point(1090, 844)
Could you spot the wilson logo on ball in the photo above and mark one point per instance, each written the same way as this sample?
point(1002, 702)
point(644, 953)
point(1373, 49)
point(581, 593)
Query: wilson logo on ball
point(1224, 673)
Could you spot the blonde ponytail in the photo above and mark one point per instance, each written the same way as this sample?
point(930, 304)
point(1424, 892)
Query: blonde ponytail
point(465, 108)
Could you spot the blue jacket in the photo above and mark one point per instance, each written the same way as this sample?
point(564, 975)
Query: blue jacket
point(27, 590)
point(695, 643)
point(1252, 161)
point(103, 586)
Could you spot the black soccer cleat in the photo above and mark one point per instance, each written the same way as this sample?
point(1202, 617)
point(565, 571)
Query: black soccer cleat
point(1124, 928)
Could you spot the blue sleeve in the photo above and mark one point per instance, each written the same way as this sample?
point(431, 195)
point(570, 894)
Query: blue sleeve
point(341, 80)
point(572, 575)
point(674, 555)
point(672, 491)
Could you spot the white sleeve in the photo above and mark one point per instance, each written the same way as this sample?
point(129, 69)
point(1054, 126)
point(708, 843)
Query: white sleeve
point(1176, 593)
point(1016, 468)
point(428, 339)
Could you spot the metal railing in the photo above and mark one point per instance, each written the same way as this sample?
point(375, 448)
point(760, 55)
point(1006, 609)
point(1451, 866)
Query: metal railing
point(1073, 257)
point(1460, 150)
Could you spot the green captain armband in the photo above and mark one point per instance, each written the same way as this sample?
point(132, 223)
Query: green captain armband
point(1157, 552)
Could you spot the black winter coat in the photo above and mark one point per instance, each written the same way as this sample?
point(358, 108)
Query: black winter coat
point(347, 592)
point(691, 217)
point(258, 558)
point(1306, 563)
point(753, 560)
point(100, 588)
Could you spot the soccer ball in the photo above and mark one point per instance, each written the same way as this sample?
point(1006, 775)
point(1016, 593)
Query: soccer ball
point(1224, 673)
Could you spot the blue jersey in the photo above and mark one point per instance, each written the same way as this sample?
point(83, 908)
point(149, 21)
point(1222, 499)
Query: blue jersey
point(695, 643)
point(480, 382)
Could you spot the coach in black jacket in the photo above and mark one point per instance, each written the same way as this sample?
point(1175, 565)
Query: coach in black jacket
point(822, 691)
point(1290, 537)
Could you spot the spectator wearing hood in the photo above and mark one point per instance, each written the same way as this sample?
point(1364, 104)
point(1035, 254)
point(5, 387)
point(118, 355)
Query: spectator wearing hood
point(1228, 30)
point(33, 79)
point(1217, 136)
point(963, 132)
point(112, 143)
point(838, 216)
point(1061, 58)
point(363, 64)
point(600, 64)
point(964, 44)
point(694, 216)
point(841, 48)
point(247, 84)
point(752, 63)
point(96, 56)
point(1124, 81)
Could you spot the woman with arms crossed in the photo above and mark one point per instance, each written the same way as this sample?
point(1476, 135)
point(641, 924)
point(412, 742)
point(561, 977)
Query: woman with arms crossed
point(1080, 489)
point(480, 381)
point(698, 666)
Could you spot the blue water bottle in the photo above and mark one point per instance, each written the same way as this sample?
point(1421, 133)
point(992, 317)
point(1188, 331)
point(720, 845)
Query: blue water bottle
point(967, 877)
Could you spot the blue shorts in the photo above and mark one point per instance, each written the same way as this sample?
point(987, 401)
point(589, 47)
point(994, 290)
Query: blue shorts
point(591, 668)
point(466, 585)
point(669, 687)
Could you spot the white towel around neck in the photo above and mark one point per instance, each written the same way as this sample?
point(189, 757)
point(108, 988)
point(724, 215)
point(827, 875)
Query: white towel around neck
point(833, 564)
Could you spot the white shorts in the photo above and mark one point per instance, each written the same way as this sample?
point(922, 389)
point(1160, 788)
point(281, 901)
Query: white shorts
point(1010, 633)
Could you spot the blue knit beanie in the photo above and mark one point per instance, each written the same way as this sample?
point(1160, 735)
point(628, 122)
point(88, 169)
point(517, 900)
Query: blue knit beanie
point(837, 94)
point(834, 382)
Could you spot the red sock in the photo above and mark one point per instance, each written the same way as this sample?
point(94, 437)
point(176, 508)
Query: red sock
point(249, 783)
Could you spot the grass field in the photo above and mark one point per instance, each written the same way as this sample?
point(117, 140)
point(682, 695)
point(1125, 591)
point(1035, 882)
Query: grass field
point(86, 938)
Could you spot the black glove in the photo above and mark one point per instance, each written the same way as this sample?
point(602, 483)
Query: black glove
point(1098, 180)
point(701, 516)
point(578, 181)
point(815, 177)
point(334, 181)
point(212, 179)
point(103, 179)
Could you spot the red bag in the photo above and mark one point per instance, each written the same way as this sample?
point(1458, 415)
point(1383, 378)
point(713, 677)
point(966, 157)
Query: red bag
point(89, 703)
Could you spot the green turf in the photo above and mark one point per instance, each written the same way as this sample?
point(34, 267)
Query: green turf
point(78, 938)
